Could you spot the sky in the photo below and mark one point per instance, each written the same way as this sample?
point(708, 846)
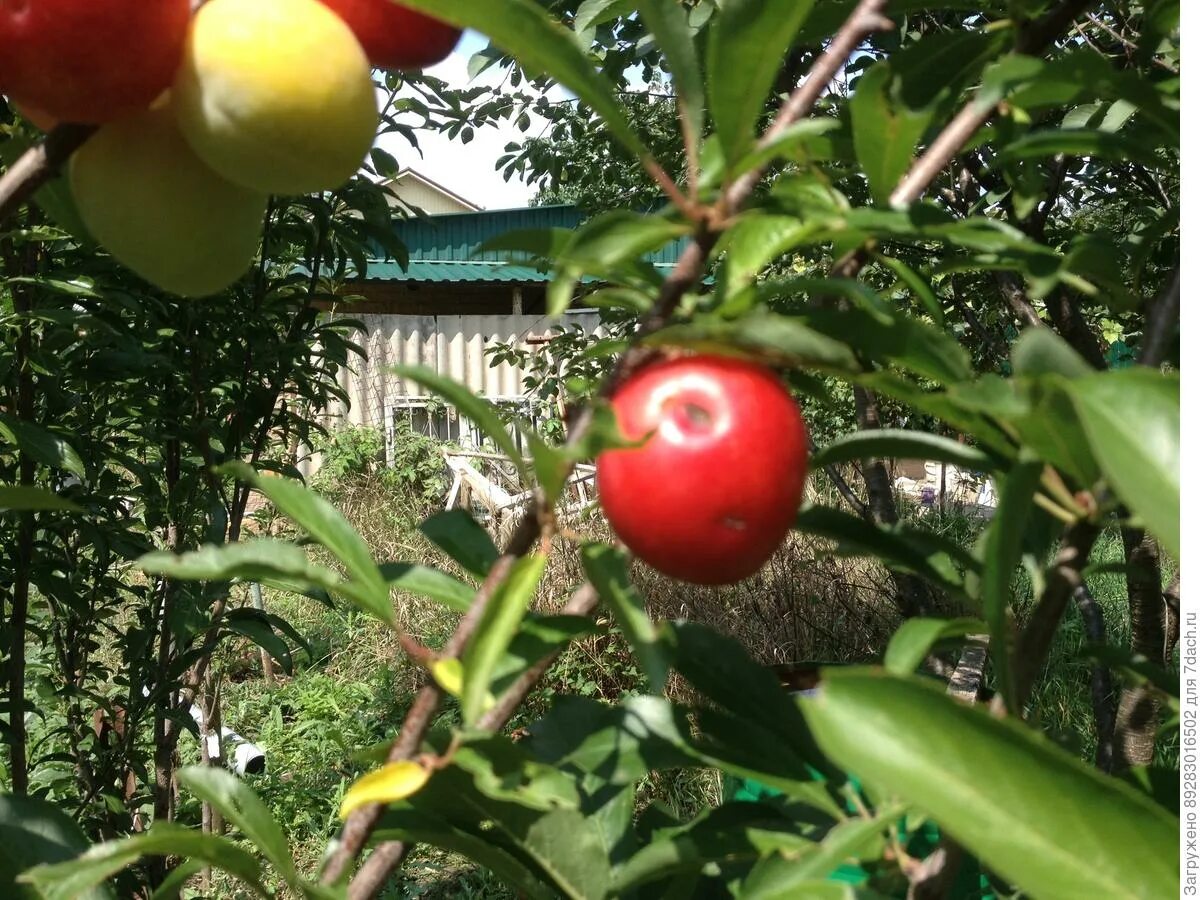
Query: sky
point(466, 169)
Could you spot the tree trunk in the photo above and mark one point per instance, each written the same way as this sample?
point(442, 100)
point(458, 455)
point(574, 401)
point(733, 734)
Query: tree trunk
point(912, 597)
point(1137, 715)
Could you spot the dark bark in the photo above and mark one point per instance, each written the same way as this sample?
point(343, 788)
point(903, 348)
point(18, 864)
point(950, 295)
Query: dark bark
point(912, 596)
point(1103, 696)
point(1138, 712)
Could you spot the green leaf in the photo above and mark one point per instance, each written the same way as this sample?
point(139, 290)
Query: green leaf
point(427, 582)
point(463, 540)
point(326, 525)
point(903, 548)
point(253, 624)
point(668, 22)
point(1131, 417)
point(1038, 816)
point(34, 831)
point(544, 46)
point(469, 404)
point(41, 445)
point(779, 877)
point(889, 443)
point(885, 134)
point(1088, 142)
point(747, 44)
point(914, 640)
point(917, 285)
point(74, 878)
point(1039, 351)
point(242, 808)
point(1002, 546)
point(769, 336)
point(415, 826)
point(499, 623)
point(732, 834)
point(607, 572)
point(32, 499)
point(254, 560)
point(719, 667)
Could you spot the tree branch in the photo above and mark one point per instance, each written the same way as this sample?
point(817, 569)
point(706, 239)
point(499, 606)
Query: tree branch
point(39, 164)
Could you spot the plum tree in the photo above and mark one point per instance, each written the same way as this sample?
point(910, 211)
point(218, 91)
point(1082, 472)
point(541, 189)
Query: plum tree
point(159, 210)
point(276, 95)
point(713, 489)
point(58, 58)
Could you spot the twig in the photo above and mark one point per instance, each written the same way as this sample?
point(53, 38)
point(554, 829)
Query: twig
point(1033, 39)
point(39, 164)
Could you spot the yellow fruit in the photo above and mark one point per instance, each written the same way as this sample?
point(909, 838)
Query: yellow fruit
point(276, 94)
point(144, 195)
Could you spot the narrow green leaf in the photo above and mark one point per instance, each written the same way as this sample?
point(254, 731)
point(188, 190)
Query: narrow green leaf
point(32, 499)
point(255, 628)
point(914, 640)
point(463, 539)
point(426, 582)
point(420, 826)
point(777, 877)
point(499, 623)
point(41, 444)
point(1002, 543)
point(544, 46)
point(885, 134)
point(242, 808)
point(1131, 417)
point(1083, 142)
point(900, 548)
point(1038, 816)
point(747, 44)
point(607, 572)
point(889, 443)
point(325, 524)
point(469, 404)
point(669, 23)
point(254, 560)
point(74, 878)
point(918, 286)
point(35, 831)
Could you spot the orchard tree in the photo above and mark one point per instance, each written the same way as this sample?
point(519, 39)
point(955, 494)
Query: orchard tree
point(879, 194)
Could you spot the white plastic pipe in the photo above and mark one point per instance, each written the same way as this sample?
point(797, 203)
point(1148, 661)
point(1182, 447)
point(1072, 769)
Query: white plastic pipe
point(244, 757)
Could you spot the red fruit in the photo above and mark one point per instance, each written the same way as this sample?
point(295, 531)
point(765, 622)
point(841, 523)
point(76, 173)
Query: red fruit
point(395, 37)
point(712, 493)
point(89, 60)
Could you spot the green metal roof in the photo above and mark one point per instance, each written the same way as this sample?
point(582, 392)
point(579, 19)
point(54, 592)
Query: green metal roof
point(443, 248)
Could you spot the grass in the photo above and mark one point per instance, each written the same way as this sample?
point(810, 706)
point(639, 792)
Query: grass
point(353, 691)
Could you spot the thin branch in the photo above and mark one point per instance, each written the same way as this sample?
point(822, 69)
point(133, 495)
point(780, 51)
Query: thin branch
point(1032, 40)
point(39, 164)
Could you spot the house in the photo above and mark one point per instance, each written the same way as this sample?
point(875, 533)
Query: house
point(445, 308)
point(409, 191)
